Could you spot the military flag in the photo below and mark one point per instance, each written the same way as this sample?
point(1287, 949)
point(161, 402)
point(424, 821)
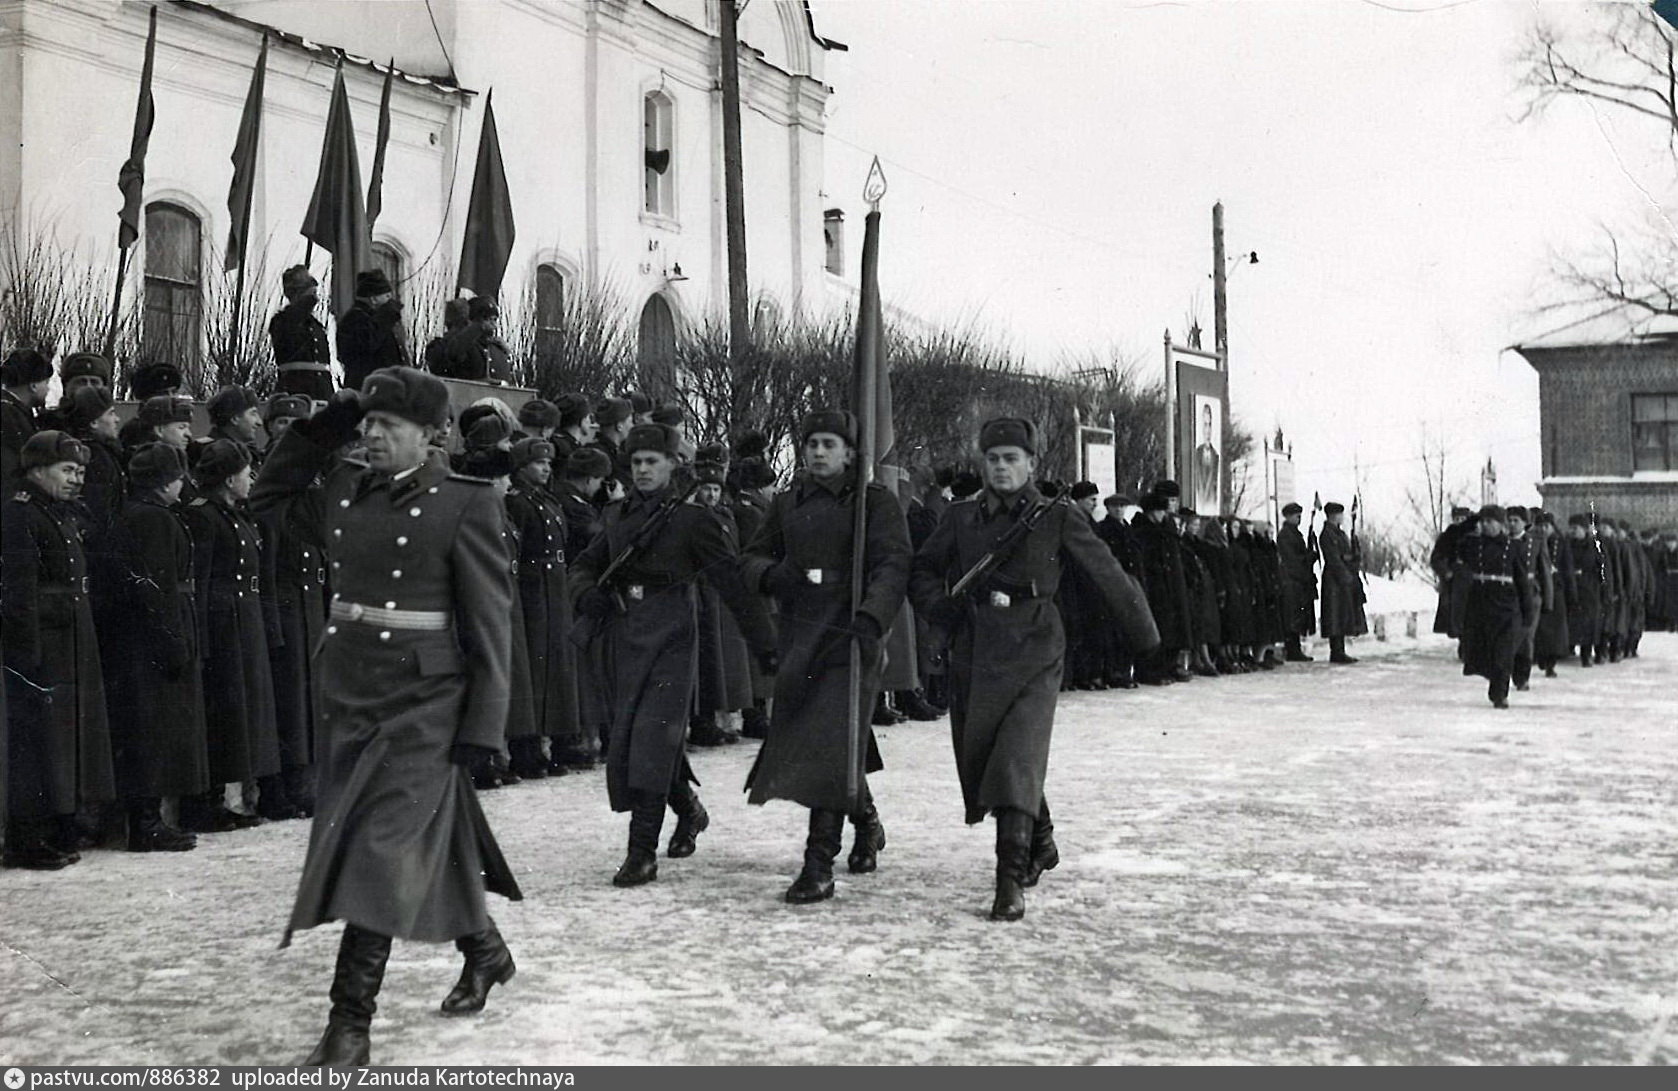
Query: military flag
point(337, 219)
point(489, 216)
point(376, 178)
point(245, 148)
point(131, 180)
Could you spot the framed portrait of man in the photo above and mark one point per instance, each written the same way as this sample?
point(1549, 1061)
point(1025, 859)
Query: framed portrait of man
point(1206, 461)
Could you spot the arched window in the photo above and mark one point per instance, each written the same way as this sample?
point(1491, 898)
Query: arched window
point(657, 350)
point(550, 308)
point(388, 258)
point(658, 144)
point(174, 320)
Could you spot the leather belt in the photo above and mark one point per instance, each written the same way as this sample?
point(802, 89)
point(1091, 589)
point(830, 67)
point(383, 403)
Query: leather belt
point(430, 620)
point(1492, 577)
point(305, 365)
point(74, 587)
point(251, 582)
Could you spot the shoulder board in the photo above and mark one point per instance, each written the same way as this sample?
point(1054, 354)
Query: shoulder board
point(875, 486)
point(468, 479)
point(358, 463)
point(198, 503)
point(963, 501)
point(21, 497)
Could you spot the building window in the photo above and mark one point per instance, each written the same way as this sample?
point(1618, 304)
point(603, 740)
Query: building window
point(833, 234)
point(656, 351)
point(174, 323)
point(1654, 432)
point(657, 124)
point(389, 259)
point(550, 309)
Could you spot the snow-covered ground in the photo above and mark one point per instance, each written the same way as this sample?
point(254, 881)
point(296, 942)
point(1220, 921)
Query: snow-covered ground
point(1322, 864)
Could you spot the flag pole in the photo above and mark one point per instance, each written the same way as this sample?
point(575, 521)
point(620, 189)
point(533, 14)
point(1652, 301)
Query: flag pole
point(116, 303)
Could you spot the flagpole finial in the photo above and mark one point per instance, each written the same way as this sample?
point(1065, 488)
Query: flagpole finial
point(875, 187)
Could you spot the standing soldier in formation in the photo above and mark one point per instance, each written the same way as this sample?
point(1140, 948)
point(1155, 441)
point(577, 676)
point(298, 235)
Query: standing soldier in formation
point(89, 414)
point(301, 351)
point(412, 691)
point(1610, 643)
point(1446, 562)
point(151, 654)
point(236, 416)
point(1340, 583)
point(1536, 559)
point(1589, 581)
point(1551, 643)
point(59, 748)
point(584, 471)
point(24, 379)
point(803, 556)
point(1007, 645)
point(648, 614)
point(1167, 588)
point(1500, 603)
point(1116, 530)
point(1635, 566)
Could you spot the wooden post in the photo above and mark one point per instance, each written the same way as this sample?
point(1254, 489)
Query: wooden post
point(734, 186)
point(1170, 412)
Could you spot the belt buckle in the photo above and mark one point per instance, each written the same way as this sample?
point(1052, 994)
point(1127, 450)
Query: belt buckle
point(636, 592)
point(814, 575)
point(84, 584)
point(1000, 599)
point(356, 611)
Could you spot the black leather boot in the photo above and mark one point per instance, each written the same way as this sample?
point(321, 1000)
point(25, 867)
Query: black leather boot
point(1013, 857)
point(815, 882)
point(1045, 856)
point(754, 722)
point(1337, 650)
point(641, 865)
point(1296, 651)
point(525, 757)
point(273, 802)
point(870, 837)
point(488, 962)
point(147, 833)
point(913, 704)
point(692, 819)
point(355, 986)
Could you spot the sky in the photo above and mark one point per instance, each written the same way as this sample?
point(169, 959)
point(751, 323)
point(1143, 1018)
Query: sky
point(1053, 167)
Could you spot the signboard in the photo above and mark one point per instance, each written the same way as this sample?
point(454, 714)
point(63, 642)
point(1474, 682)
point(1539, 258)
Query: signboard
point(1098, 459)
point(1199, 391)
point(1281, 484)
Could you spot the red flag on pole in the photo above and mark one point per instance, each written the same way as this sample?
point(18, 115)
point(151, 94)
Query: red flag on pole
point(131, 180)
point(337, 220)
point(243, 189)
point(870, 381)
point(376, 178)
point(489, 216)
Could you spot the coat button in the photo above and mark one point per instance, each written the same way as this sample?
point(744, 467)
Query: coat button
point(414, 512)
point(402, 541)
point(432, 489)
point(331, 630)
point(396, 573)
point(390, 606)
point(335, 564)
point(344, 503)
point(337, 532)
point(384, 634)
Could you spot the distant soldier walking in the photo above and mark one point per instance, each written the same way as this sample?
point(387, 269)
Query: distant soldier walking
point(1500, 604)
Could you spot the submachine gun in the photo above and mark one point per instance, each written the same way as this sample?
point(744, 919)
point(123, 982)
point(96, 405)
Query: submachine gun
point(585, 630)
point(1004, 548)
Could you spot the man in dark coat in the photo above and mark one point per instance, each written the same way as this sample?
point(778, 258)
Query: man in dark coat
point(302, 353)
point(149, 381)
point(370, 333)
point(1122, 542)
point(412, 691)
point(476, 351)
point(1087, 634)
point(24, 378)
point(1007, 649)
point(59, 745)
point(1551, 643)
point(1500, 603)
point(648, 619)
point(1611, 641)
point(803, 556)
point(1536, 559)
point(1445, 562)
point(1589, 584)
point(236, 416)
point(583, 473)
point(1167, 589)
point(150, 650)
point(90, 416)
point(1341, 584)
point(441, 355)
point(1637, 586)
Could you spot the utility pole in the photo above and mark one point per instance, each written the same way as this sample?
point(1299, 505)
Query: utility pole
point(734, 186)
point(1220, 276)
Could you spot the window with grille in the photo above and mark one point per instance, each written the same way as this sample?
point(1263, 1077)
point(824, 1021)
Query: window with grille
point(389, 259)
point(174, 318)
point(1654, 432)
point(658, 170)
point(550, 308)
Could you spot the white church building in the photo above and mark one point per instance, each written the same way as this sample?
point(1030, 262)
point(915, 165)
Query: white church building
point(609, 114)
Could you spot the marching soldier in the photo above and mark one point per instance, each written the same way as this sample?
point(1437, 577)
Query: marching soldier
point(412, 691)
point(1340, 583)
point(803, 557)
point(1550, 640)
point(301, 351)
point(1007, 647)
point(648, 609)
point(59, 746)
point(1536, 559)
point(1500, 604)
point(1446, 564)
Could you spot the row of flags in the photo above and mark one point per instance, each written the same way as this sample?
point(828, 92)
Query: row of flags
point(339, 220)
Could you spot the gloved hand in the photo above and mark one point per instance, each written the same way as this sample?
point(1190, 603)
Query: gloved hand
point(946, 612)
point(782, 578)
point(768, 660)
point(470, 756)
point(864, 627)
point(335, 424)
point(596, 602)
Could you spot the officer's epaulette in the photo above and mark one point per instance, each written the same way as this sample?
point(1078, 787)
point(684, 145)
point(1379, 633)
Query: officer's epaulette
point(198, 503)
point(469, 479)
point(358, 463)
point(964, 500)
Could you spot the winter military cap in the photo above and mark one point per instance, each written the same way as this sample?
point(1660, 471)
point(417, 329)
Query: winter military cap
point(531, 449)
point(1292, 509)
point(489, 462)
point(1491, 512)
point(610, 411)
point(80, 365)
point(219, 460)
point(294, 406)
point(1543, 518)
point(1334, 507)
point(155, 465)
point(1625, 525)
point(1187, 513)
point(229, 402)
point(481, 307)
point(488, 430)
point(669, 414)
point(408, 393)
point(1153, 502)
point(372, 282)
point(50, 448)
point(539, 413)
point(1083, 490)
point(85, 405)
point(165, 409)
point(573, 410)
point(752, 473)
point(711, 454)
point(965, 484)
point(836, 422)
point(639, 401)
point(588, 462)
point(154, 379)
point(24, 366)
point(1120, 500)
point(1009, 432)
point(651, 437)
point(1166, 488)
point(1461, 512)
point(1516, 511)
point(296, 281)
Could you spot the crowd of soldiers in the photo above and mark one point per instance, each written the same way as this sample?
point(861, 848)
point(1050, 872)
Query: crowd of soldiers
point(1519, 591)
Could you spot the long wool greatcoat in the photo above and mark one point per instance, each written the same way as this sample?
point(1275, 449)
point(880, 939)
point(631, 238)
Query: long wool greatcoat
point(1613, 592)
point(60, 744)
point(232, 634)
point(1446, 562)
point(1536, 558)
point(1500, 602)
point(150, 648)
point(399, 844)
point(1006, 660)
point(1342, 603)
point(1590, 588)
point(650, 653)
point(294, 594)
point(1551, 641)
point(1162, 578)
point(1268, 625)
point(809, 529)
point(1299, 581)
point(545, 612)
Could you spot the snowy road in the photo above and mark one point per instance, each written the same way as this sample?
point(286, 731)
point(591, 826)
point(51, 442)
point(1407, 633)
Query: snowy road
point(1317, 865)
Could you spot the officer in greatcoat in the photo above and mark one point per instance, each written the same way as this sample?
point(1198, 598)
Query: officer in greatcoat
point(1536, 559)
point(1167, 588)
point(1123, 542)
point(412, 690)
point(1008, 649)
point(150, 647)
point(1500, 604)
point(89, 414)
point(370, 334)
point(59, 745)
point(803, 556)
point(583, 473)
point(302, 353)
point(1341, 604)
point(1584, 606)
point(725, 673)
point(1611, 640)
point(1299, 583)
point(648, 617)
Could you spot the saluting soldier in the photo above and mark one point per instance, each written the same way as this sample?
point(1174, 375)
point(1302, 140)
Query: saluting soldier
point(650, 618)
point(803, 556)
point(412, 691)
point(302, 353)
point(1008, 649)
point(1500, 603)
point(1341, 605)
point(59, 746)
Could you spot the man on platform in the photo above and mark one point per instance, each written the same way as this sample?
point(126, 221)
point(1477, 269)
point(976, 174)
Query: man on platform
point(302, 353)
point(24, 379)
point(370, 333)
